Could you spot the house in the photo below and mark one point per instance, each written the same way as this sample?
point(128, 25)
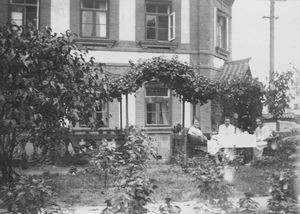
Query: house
point(116, 31)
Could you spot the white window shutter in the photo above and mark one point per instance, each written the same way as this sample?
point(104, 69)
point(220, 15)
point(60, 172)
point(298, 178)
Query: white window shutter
point(227, 33)
point(215, 26)
point(171, 30)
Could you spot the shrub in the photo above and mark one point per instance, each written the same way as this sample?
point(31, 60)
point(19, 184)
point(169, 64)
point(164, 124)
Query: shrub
point(27, 195)
point(209, 177)
point(283, 196)
point(105, 160)
point(136, 192)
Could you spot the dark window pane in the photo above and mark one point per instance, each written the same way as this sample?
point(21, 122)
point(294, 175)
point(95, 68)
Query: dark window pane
point(87, 17)
point(163, 21)
point(150, 34)
point(151, 21)
point(150, 107)
point(156, 92)
point(150, 8)
point(163, 9)
point(87, 30)
point(18, 1)
point(163, 34)
point(87, 4)
point(101, 4)
point(151, 118)
point(31, 15)
point(31, 1)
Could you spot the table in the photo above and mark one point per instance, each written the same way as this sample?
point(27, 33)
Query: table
point(241, 140)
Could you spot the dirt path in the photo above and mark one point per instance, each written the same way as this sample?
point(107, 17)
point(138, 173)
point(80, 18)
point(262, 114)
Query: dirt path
point(190, 207)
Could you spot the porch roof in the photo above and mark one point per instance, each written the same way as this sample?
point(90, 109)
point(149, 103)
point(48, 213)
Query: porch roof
point(234, 70)
point(286, 115)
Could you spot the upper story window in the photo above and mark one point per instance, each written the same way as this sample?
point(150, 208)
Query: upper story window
point(94, 15)
point(24, 12)
point(158, 101)
point(222, 31)
point(160, 22)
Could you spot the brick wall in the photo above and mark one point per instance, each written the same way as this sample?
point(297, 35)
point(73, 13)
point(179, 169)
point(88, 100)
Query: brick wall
point(45, 6)
point(4, 11)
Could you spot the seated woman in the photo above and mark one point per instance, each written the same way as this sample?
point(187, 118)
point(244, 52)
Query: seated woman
point(196, 136)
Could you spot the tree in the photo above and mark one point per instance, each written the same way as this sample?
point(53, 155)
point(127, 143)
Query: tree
point(277, 93)
point(44, 81)
point(243, 96)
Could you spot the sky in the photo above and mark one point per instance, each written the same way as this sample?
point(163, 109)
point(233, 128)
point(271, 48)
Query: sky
point(250, 35)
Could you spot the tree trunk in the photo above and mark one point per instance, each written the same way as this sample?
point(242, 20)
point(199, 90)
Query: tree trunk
point(7, 146)
point(7, 171)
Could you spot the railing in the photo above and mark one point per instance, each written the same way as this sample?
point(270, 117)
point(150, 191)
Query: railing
point(182, 144)
point(75, 136)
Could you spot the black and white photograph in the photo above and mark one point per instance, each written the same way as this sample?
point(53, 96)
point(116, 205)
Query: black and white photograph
point(149, 106)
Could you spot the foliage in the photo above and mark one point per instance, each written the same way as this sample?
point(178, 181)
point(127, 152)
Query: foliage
point(127, 162)
point(135, 187)
point(178, 128)
point(283, 197)
point(210, 181)
point(136, 192)
point(137, 150)
point(179, 77)
point(242, 96)
point(105, 159)
point(247, 205)
point(277, 93)
point(28, 195)
point(284, 148)
point(44, 80)
point(269, 163)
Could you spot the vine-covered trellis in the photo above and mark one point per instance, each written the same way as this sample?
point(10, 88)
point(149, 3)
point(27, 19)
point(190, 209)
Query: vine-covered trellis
point(244, 95)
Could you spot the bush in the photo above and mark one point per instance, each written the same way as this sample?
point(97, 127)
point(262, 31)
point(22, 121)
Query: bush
point(28, 195)
point(136, 192)
point(283, 196)
point(210, 181)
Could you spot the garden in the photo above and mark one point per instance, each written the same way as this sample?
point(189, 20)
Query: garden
point(47, 80)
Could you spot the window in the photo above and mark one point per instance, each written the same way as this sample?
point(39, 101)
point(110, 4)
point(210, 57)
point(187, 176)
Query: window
point(160, 22)
point(100, 116)
point(222, 28)
point(94, 18)
point(24, 12)
point(158, 110)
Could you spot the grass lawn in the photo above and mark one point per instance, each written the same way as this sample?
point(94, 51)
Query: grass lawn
point(81, 190)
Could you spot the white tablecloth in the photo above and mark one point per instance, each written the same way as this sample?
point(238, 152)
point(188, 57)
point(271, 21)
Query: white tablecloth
point(241, 140)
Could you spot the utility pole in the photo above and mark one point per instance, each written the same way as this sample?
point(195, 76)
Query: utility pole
point(272, 37)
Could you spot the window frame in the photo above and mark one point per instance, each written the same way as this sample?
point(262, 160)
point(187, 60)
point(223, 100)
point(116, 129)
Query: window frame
point(221, 42)
point(94, 11)
point(158, 99)
point(169, 15)
point(23, 6)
